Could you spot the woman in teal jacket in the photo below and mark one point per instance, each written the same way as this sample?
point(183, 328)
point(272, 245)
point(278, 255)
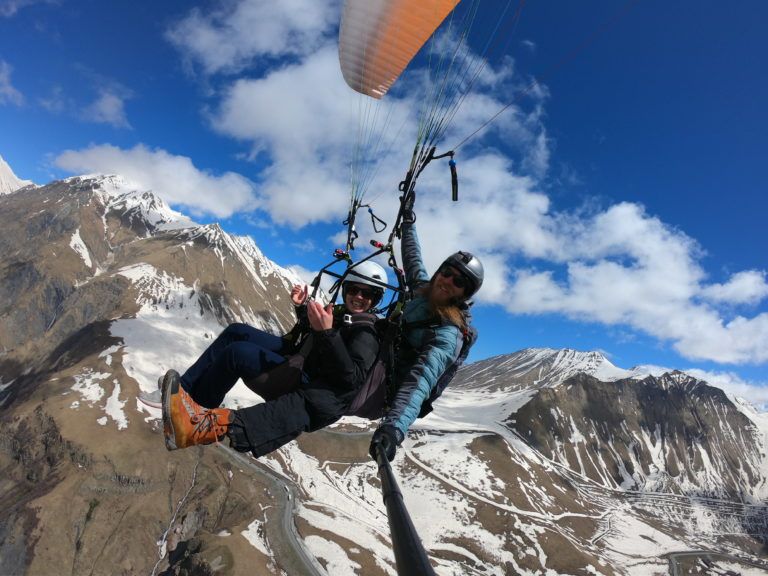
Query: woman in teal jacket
point(435, 339)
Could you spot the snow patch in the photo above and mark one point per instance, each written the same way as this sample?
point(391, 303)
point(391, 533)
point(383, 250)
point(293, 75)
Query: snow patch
point(114, 407)
point(88, 385)
point(257, 537)
point(107, 354)
point(77, 244)
point(337, 560)
point(170, 331)
point(9, 182)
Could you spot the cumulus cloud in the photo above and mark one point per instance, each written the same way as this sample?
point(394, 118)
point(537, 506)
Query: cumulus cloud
point(173, 178)
point(748, 287)
point(229, 38)
point(616, 265)
point(304, 118)
point(308, 137)
point(756, 393)
point(108, 108)
point(8, 94)
point(624, 267)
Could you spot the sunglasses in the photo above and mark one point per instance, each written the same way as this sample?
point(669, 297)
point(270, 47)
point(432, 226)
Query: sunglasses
point(459, 280)
point(367, 293)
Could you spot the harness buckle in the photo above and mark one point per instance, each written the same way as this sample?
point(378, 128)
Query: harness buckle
point(347, 319)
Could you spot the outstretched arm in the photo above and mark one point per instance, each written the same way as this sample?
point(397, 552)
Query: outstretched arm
point(415, 272)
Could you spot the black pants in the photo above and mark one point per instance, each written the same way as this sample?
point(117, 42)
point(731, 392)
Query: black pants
point(265, 427)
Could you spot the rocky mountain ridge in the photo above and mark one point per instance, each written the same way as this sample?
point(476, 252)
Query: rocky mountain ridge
point(537, 462)
point(637, 429)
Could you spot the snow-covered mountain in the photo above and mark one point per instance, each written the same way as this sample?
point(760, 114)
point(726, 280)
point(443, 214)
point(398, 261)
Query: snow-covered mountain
point(538, 462)
point(9, 182)
point(639, 429)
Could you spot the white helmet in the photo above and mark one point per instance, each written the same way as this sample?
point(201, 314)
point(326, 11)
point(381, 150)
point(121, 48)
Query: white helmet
point(370, 274)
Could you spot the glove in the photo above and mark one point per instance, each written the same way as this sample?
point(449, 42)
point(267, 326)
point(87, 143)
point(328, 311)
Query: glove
point(409, 216)
point(389, 438)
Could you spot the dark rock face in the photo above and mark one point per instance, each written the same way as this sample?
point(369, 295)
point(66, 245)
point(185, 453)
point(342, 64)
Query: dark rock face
point(669, 434)
point(33, 454)
point(40, 268)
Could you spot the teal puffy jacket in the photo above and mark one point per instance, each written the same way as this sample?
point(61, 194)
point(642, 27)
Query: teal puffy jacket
point(427, 351)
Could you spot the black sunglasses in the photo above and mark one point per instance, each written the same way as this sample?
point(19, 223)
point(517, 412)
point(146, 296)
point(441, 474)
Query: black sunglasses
point(368, 293)
point(459, 280)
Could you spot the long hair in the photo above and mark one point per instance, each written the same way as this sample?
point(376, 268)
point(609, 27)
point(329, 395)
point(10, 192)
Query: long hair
point(450, 312)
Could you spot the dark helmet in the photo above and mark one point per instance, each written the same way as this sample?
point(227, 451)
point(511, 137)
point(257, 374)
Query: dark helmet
point(470, 266)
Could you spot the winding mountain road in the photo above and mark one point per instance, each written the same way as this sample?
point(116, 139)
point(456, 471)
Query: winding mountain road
point(280, 528)
point(676, 557)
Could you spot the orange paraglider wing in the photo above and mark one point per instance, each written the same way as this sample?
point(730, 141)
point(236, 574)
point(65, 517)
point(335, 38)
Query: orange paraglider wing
point(378, 38)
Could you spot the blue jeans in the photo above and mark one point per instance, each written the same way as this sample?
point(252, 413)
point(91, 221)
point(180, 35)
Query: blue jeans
point(240, 351)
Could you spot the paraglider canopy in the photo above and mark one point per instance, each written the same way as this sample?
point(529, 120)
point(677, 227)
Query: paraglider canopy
point(378, 39)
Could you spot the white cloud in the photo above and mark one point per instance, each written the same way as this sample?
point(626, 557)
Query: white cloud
point(229, 38)
point(624, 267)
point(303, 118)
point(174, 178)
point(748, 287)
point(9, 8)
point(619, 266)
point(306, 120)
point(755, 393)
point(8, 94)
point(108, 108)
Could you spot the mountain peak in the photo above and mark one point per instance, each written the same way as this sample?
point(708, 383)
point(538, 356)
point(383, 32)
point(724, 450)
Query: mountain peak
point(133, 201)
point(9, 182)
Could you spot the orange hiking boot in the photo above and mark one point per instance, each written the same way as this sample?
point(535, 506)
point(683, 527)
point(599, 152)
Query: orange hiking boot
point(185, 422)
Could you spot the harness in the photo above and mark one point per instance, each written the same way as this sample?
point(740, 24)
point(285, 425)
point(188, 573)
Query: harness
point(377, 394)
point(287, 376)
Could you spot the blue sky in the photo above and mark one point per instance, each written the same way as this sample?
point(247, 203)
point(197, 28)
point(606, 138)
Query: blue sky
point(619, 205)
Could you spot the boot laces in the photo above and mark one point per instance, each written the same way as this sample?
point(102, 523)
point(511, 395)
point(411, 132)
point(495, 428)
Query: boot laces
point(207, 422)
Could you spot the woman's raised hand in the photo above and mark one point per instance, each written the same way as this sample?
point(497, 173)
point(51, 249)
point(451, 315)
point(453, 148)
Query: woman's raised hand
point(299, 294)
point(320, 318)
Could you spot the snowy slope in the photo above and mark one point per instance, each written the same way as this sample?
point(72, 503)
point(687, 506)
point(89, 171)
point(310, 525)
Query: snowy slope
point(667, 451)
point(9, 182)
point(484, 501)
point(171, 329)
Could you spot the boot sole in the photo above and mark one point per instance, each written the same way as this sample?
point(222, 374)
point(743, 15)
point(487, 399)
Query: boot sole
point(151, 399)
point(170, 387)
